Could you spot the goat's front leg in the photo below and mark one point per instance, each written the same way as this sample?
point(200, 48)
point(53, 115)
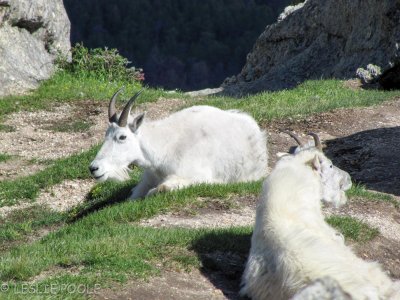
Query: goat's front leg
point(171, 183)
point(147, 182)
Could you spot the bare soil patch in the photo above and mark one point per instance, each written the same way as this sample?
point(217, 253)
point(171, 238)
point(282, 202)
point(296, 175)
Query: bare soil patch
point(170, 285)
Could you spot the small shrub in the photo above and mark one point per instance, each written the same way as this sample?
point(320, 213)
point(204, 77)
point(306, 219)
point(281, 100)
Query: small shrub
point(106, 64)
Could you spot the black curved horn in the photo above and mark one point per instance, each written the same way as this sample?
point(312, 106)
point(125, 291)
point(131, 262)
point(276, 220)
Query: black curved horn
point(123, 119)
point(296, 138)
point(112, 112)
point(317, 141)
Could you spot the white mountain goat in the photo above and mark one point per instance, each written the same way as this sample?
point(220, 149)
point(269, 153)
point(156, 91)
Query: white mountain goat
point(195, 145)
point(292, 245)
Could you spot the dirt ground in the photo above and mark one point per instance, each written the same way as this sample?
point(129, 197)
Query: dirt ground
point(362, 141)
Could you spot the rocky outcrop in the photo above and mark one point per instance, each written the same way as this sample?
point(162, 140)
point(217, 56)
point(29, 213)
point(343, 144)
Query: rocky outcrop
point(32, 34)
point(325, 39)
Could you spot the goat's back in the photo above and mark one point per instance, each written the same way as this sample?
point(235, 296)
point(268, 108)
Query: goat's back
point(292, 244)
point(217, 145)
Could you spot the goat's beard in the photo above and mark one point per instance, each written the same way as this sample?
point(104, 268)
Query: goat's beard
point(118, 174)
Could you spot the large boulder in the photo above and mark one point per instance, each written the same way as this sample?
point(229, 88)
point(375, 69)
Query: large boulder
point(32, 34)
point(325, 39)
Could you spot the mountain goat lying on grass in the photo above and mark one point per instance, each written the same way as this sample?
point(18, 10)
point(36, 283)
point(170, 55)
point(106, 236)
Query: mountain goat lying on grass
point(292, 245)
point(195, 145)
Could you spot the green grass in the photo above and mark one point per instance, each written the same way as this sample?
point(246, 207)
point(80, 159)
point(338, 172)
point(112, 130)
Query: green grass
point(105, 243)
point(6, 128)
point(352, 228)
point(309, 97)
point(70, 126)
point(107, 193)
point(359, 191)
point(5, 157)
point(27, 188)
point(103, 195)
point(108, 246)
point(20, 223)
point(65, 87)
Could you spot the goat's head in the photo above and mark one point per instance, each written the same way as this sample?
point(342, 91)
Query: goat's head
point(121, 146)
point(334, 181)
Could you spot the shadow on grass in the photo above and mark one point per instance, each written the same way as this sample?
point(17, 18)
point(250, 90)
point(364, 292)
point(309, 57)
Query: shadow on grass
point(223, 256)
point(101, 196)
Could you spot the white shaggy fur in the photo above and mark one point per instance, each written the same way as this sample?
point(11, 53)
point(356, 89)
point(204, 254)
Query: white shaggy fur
point(195, 145)
point(292, 245)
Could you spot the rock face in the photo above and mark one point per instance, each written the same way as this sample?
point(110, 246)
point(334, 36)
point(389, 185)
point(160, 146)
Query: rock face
point(32, 33)
point(324, 39)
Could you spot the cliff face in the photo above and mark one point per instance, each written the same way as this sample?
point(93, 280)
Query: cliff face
point(324, 39)
point(32, 33)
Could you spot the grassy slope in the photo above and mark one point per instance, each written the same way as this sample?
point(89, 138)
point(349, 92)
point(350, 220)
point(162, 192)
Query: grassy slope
point(64, 87)
point(309, 97)
point(101, 237)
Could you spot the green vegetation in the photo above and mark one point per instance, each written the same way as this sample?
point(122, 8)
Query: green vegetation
point(20, 223)
point(309, 97)
point(70, 126)
point(110, 192)
point(103, 64)
point(108, 246)
point(359, 191)
point(105, 254)
point(352, 228)
point(5, 157)
point(6, 128)
point(27, 188)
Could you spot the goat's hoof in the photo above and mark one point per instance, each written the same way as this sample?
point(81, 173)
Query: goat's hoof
point(151, 192)
point(159, 189)
point(162, 188)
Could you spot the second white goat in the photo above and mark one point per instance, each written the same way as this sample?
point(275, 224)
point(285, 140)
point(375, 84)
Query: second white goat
point(292, 245)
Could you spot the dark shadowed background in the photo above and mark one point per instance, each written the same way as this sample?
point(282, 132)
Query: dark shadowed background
point(180, 44)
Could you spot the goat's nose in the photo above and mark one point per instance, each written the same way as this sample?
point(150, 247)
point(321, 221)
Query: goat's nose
point(93, 169)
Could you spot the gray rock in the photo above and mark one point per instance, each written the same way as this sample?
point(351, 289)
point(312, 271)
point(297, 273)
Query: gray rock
point(204, 92)
point(32, 34)
point(323, 39)
point(322, 289)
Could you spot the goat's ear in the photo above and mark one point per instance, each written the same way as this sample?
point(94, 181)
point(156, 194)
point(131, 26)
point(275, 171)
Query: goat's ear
point(316, 163)
point(136, 122)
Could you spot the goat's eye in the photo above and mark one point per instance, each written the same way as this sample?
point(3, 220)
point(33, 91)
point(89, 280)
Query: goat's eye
point(122, 137)
point(331, 166)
